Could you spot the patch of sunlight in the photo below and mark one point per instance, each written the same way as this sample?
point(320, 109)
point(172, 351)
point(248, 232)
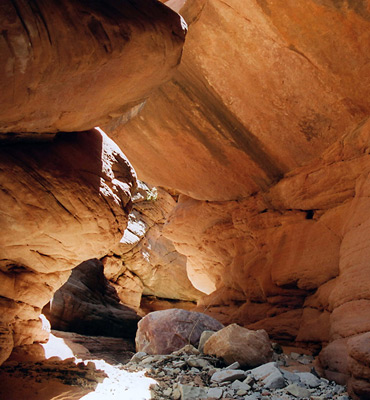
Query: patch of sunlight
point(57, 347)
point(120, 384)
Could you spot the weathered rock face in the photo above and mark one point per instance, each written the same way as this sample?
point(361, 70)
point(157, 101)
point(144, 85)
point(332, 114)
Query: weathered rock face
point(261, 92)
point(61, 203)
point(52, 82)
point(145, 263)
point(69, 66)
point(89, 305)
point(270, 150)
point(162, 332)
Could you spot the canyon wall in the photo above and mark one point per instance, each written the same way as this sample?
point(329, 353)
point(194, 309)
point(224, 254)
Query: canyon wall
point(66, 67)
point(264, 130)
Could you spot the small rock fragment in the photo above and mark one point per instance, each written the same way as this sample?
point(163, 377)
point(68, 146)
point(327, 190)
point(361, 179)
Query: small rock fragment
point(228, 375)
point(309, 379)
point(298, 391)
point(192, 392)
point(215, 393)
point(203, 338)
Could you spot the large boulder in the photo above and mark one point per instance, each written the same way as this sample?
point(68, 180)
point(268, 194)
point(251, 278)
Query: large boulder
point(162, 332)
point(89, 305)
point(237, 344)
point(71, 65)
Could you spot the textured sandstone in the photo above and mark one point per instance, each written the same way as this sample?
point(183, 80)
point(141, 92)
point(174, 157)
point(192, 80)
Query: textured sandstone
point(89, 305)
point(145, 263)
point(162, 332)
point(62, 202)
point(52, 82)
point(237, 344)
point(261, 92)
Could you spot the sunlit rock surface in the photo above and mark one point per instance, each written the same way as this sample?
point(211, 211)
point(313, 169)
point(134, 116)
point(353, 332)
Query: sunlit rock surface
point(264, 131)
point(72, 65)
point(62, 202)
point(145, 262)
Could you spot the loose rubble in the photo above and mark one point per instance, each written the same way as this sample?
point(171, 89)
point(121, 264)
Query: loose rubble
point(188, 374)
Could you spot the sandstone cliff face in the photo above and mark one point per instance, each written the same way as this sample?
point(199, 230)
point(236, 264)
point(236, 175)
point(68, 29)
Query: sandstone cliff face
point(270, 150)
point(65, 198)
point(60, 203)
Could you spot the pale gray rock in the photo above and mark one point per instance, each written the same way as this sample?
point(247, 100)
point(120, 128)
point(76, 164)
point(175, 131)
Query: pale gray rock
point(215, 393)
point(274, 380)
point(237, 385)
point(253, 396)
point(137, 357)
point(290, 376)
point(192, 392)
point(263, 370)
point(198, 363)
point(298, 391)
point(309, 379)
point(203, 338)
point(234, 365)
point(228, 375)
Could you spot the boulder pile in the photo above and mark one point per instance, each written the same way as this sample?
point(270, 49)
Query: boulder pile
point(188, 374)
point(231, 363)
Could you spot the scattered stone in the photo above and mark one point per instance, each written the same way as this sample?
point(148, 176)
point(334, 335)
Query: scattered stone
point(215, 393)
point(309, 379)
point(298, 391)
point(290, 377)
point(137, 357)
point(234, 365)
point(237, 385)
point(189, 374)
point(192, 392)
point(228, 375)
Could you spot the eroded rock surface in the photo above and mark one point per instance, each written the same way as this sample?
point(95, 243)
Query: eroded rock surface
point(88, 304)
point(270, 152)
point(52, 82)
point(145, 264)
point(62, 202)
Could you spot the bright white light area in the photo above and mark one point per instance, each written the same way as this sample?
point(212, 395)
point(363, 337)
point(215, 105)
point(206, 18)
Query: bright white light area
point(57, 347)
point(120, 384)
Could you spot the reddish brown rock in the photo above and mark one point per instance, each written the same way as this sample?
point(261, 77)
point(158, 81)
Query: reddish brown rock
point(234, 343)
point(62, 202)
point(261, 92)
point(145, 262)
point(52, 82)
point(89, 305)
point(162, 332)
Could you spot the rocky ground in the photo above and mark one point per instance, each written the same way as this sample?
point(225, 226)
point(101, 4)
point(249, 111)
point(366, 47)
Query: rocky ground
point(189, 375)
point(107, 368)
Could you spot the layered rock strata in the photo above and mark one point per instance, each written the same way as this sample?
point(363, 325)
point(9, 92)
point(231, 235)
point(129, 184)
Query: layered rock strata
point(145, 266)
point(89, 305)
point(71, 65)
point(270, 150)
point(61, 202)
